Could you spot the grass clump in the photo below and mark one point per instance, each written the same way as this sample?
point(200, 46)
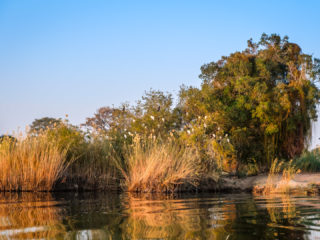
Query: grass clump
point(158, 166)
point(30, 164)
point(309, 161)
point(280, 174)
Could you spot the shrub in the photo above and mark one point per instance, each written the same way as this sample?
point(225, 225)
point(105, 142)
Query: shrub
point(309, 161)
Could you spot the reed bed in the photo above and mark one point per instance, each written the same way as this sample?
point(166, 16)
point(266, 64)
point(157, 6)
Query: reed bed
point(31, 164)
point(159, 166)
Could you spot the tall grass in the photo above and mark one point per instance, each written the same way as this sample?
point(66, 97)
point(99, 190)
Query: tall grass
point(277, 182)
point(153, 166)
point(30, 164)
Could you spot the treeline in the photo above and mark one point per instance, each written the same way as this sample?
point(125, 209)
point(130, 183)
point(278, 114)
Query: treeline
point(252, 107)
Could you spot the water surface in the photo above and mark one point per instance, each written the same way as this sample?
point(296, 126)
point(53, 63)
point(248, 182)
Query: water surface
point(127, 216)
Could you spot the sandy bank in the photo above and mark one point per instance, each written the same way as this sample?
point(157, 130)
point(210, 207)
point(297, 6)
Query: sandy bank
point(303, 182)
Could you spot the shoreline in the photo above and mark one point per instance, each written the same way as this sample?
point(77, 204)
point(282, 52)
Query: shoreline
point(304, 183)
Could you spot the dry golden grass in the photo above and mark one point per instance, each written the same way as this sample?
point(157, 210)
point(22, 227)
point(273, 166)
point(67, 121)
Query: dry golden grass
point(30, 164)
point(277, 183)
point(151, 166)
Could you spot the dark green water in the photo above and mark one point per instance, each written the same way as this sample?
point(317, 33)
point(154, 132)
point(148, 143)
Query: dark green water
point(203, 216)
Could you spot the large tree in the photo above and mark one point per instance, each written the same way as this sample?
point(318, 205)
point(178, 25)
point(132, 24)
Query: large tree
point(261, 100)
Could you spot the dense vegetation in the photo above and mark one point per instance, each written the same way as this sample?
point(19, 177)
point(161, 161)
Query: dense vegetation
point(252, 107)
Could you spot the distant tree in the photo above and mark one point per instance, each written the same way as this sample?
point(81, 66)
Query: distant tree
point(44, 123)
point(154, 114)
point(108, 120)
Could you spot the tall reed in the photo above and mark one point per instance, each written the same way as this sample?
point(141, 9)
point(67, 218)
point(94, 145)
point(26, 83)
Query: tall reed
point(277, 183)
point(30, 164)
point(158, 166)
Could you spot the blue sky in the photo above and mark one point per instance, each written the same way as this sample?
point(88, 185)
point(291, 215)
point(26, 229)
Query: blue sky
point(72, 57)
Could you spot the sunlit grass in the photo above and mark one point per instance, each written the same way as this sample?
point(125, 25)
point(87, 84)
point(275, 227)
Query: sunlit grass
point(31, 163)
point(154, 166)
point(280, 174)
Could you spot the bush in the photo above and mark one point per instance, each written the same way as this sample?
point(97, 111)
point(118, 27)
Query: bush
point(309, 161)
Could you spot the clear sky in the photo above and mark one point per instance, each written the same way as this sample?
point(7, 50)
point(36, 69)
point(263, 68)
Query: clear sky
point(72, 57)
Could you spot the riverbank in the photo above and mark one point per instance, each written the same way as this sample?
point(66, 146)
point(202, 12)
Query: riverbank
point(307, 183)
point(300, 183)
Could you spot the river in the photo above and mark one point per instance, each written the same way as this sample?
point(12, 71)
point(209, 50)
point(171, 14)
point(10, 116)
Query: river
point(130, 216)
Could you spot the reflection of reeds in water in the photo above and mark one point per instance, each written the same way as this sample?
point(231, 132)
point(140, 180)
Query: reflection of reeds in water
point(29, 216)
point(281, 207)
point(170, 218)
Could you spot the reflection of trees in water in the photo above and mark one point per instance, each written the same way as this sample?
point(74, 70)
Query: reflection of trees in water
point(207, 217)
point(112, 216)
point(92, 215)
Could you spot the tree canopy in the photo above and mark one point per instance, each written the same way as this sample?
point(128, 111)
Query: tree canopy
point(262, 98)
point(44, 123)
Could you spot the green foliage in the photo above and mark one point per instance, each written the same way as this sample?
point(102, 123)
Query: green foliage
point(309, 161)
point(252, 107)
point(42, 124)
point(68, 137)
point(154, 115)
point(262, 98)
point(250, 168)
